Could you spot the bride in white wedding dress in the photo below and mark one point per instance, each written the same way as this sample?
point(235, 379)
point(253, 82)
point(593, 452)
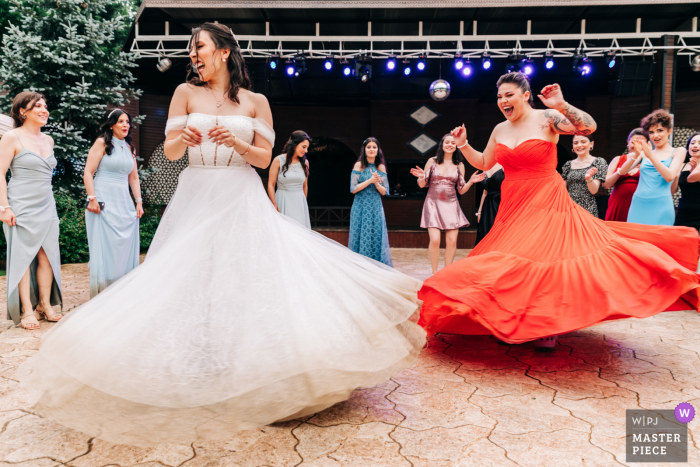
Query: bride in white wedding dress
point(239, 317)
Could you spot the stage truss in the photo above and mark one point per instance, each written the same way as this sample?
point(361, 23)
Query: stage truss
point(432, 46)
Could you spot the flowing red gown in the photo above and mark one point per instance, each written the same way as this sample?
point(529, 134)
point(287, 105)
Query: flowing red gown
point(621, 196)
point(548, 266)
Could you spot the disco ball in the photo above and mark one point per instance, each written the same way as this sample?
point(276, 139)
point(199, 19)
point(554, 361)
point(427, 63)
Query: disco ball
point(439, 90)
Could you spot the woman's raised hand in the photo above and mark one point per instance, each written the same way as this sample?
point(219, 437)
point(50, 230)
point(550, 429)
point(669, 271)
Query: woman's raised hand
point(418, 172)
point(191, 136)
point(477, 177)
point(552, 96)
point(642, 147)
point(591, 172)
point(460, 135)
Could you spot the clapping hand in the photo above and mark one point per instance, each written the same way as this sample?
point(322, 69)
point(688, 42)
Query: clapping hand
point(477, 177)
point(221, 135)
point(693, 162)
point(460, 135)
point(552, 97)
point(418, 172)
point(376, 179)
point(591, 172)
point(643, 147)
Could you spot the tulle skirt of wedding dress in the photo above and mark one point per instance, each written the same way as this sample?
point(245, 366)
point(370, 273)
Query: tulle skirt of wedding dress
point(238, 318)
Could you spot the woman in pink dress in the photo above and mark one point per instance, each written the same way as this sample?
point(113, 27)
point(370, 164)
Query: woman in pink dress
point(441, 211)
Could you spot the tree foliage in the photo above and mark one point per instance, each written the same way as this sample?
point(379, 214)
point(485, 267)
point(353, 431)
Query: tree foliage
point(66, 50)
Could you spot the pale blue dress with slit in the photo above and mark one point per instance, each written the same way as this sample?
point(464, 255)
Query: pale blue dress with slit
point(113, 234)
point(289, 196)
point(30, 196)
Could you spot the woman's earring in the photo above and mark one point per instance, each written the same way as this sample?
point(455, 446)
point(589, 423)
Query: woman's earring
point(223, 59)
point(23, 117)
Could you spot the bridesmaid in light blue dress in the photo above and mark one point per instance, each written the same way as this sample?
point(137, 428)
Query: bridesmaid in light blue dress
point(368, 233)
point(112, 227)
point(28, 211)
point(291, 179)
point(652, 203)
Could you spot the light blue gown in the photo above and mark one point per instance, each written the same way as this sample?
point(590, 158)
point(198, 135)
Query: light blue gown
point(368, 233)
point(652, 203)
point(289, 196)
point(31, 198)
point(113, 234)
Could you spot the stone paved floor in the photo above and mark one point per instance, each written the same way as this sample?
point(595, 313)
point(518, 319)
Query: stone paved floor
point(468, 401)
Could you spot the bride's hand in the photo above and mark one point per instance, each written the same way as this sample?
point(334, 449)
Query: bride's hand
point(191, 136)
point(221, 135)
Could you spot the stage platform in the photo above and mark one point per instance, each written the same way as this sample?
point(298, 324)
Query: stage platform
point(403, 237)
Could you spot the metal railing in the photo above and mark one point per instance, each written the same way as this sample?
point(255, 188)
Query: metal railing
point(330, 216)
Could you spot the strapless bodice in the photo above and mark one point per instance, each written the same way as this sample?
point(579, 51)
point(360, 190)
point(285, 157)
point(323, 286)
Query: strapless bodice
point(533, 158)
point(209, 154)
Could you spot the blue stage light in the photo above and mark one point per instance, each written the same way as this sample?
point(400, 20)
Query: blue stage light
point(527, 67)
point(459, 63)
point(586, 69)
point(548, 61)
point(274, 61)
point(391, 63)
point(328, 64)
point(347, 70)
point(421, 64)
point(273, 64)
point(610, 59)
point(468, 69)
point(407, 70)
point(486, 62)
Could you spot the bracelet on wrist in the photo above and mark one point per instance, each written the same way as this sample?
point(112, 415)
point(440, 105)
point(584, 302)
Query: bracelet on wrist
point(5, 208)
point(466, 142)
point(138, 200)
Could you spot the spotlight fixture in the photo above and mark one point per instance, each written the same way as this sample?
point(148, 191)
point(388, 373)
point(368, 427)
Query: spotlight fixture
point(421, 64)
point(406, 67)
point(610, 58)
point(290, 67)
point(391, 63)
point(328, 63)
point(164, 64)
point(695, 63)
point(459, 63)
point(347, 69)
point(548, 60)
point(468, 69)
point(514, 63)
point(363, 68)
point(527, 67)
point(585, 67)
point(295, 66)
point(486, 61)
point(274, 61)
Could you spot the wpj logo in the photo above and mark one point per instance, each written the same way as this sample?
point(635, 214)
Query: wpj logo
point(658, 435)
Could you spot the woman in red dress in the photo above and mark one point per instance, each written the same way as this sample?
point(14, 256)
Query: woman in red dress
point(624, 185)
point(548, 267)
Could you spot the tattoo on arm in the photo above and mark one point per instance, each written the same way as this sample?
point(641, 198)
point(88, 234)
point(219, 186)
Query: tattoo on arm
point(556, 121)
point(583, 122)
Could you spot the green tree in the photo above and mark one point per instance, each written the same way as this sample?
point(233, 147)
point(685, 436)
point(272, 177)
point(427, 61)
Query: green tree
point(66, 50)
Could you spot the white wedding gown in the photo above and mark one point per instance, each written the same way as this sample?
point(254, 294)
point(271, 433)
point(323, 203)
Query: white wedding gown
point(238, 318)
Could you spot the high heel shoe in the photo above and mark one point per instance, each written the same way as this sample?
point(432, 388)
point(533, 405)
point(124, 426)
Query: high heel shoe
point(29, 321)
point(49, 314)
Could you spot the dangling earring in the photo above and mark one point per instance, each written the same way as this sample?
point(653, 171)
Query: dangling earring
point(23, 117)
point(223, 59)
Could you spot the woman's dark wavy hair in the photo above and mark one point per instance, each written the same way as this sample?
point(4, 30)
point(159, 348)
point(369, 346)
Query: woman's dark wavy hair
point(637, 132)
point(378, 160)
point(457, 156)
point(290, 148)
point(26, 101)
point(687, 145)
point(657, 117)
point(111, 118)
point(519, 79)
point(223, 38)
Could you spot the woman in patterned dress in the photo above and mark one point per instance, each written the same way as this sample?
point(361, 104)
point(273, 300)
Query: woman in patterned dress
point(584, 174)
point(368, 232)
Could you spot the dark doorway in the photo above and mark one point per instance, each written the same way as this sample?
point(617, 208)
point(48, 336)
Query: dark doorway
point(330, 163)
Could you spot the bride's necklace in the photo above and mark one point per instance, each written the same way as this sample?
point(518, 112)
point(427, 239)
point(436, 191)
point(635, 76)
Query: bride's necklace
point(219, 102)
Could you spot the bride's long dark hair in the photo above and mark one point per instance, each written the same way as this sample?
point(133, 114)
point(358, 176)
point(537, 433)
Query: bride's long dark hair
point(111, 119)
point(223, 38)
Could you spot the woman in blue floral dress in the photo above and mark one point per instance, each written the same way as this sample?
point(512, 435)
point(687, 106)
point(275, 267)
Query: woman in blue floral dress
point(368, 233)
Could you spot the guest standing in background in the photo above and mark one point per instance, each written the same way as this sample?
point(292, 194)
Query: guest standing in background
point(369, 182)
point(113, 232)
point(444, 174)
point(652, 203)
point(585, 174)
point(623, 186)
point(290, 172)
point(28, 212)
point(490, 200)
point(688, 213)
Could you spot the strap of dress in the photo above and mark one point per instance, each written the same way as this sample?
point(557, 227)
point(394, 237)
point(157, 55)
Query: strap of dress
point(264, 129)
point(18, 139)
point(175, 123)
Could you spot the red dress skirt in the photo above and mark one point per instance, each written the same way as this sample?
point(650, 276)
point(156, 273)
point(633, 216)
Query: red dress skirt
point(549, 267)
point(621, 197)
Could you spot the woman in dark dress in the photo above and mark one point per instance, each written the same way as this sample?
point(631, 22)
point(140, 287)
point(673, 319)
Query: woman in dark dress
point(490, 200)
point(688, 213)
point(585, 174)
